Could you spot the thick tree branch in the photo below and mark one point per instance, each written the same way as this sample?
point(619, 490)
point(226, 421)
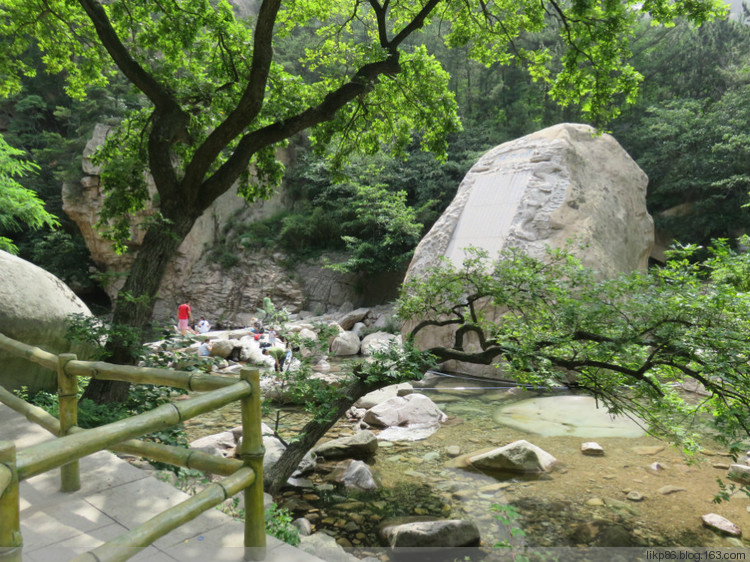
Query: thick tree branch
point(249, 105)
point(170, 122)
point(362, 82)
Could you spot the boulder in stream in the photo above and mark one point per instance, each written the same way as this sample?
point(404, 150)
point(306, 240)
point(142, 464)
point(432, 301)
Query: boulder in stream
point(519, 456)
point(439, 533)
point(354, 475)
point(360, 445)
point(721, 524)
point(410, 410)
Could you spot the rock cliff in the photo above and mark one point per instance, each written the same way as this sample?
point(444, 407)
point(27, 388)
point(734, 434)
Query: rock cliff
point(231, 295)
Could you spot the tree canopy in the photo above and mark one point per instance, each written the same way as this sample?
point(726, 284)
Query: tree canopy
point(222, 89)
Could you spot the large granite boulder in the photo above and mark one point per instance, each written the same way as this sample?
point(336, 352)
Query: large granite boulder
point(34, 306)
point(542, 190)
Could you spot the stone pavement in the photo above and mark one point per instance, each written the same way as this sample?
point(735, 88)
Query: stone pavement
point(115, 497)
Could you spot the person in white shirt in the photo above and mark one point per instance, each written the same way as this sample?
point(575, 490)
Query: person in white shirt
point(203, 326)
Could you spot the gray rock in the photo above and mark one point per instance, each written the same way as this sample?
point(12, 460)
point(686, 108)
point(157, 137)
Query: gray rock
point(224, 348)
point(34, 306)
point(721, 524)
point(440, 533)
point(303, 526)
point(355, 475)
point(348, 321)
point(221, 444)
point(413, 409)
point(376, 397)
point(453, 451)
point(669, 489)
point(362, 444)
point(592, 448)
point(345, 344)
point(519, 456)
point(739, 473)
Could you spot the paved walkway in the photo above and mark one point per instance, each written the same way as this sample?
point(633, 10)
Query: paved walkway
point(115, 497)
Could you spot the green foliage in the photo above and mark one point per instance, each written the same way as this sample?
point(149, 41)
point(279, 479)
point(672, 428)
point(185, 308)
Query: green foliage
point(508, 516)
point(386, 231)
point(688, 133)
point(279, 525)
point(95, 334)
point(19, 206)
point(630, 341)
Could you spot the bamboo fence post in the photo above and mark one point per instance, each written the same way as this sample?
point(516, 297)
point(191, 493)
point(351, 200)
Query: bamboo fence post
point(10, 516)
point(251, 452)
point(67, 398)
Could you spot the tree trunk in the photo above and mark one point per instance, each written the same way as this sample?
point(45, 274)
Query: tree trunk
point(135, 302)
point(277, 476)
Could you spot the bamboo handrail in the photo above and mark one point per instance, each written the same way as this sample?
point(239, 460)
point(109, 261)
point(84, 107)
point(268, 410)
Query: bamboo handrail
point(178, 456)
point(108, 371)
point(148, 375)
point(29, 352)
point(65, 451)
point(51, 454)
point(122, 547)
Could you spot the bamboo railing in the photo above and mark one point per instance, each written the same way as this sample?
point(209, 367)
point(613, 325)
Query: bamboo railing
point(74, 443)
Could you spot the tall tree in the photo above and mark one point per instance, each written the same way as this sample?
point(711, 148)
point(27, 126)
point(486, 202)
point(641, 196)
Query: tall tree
point(217, 100)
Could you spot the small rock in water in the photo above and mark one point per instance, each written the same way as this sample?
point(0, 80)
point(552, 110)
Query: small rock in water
point(634, 496)
point(453, 451)
point(720, 465)
point(592, 448)
point(719, 523)
point(670, 489)
point(595, 502)
point(648, 449)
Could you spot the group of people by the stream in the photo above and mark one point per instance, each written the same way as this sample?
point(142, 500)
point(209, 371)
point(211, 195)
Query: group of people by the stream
point(267, 340)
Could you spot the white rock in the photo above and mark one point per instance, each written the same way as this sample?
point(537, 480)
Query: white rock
point(592, 448)
point(412, 409)
point(719, 523)
point(519, 456)
point(345, 344)
point(440, 533)
point(355, 475)
point(739, 473)
point(377, 341)
point(375, 397)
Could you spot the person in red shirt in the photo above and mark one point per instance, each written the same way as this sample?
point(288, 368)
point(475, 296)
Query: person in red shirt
point(184, 317)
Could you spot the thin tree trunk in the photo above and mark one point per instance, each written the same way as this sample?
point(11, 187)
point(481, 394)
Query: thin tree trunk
point(277, 476)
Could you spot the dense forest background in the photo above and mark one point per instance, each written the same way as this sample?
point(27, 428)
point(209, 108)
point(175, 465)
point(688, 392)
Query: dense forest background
point(689, 131)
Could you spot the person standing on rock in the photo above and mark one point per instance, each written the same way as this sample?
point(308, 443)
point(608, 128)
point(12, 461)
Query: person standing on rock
point(184, 317)
point(268, 306)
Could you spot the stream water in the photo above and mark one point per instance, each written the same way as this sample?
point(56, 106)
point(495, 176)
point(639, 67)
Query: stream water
point(583, 500)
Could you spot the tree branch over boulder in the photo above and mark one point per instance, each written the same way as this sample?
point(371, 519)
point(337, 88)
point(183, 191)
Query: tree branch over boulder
point(631, 342)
